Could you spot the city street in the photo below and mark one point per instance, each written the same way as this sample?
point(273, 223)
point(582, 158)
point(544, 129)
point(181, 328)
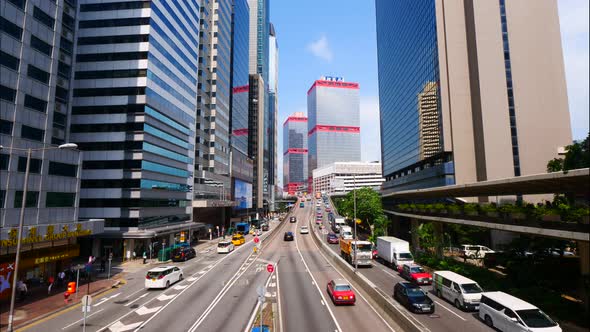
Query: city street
point(446, 316)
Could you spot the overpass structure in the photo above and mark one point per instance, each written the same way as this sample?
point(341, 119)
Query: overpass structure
point(575, 182)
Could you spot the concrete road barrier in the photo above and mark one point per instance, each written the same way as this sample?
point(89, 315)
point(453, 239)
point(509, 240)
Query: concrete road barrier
point(383, 301)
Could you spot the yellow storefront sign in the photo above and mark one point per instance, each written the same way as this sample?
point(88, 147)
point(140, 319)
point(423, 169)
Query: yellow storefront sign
point(50, 235)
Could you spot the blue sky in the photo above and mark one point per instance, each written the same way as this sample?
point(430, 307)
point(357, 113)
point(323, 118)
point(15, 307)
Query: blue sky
point(337, 38)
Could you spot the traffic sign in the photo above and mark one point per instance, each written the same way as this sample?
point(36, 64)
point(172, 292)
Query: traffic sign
point(86, 308)
point(270, 268)
point(86, 300)
point(256, 239)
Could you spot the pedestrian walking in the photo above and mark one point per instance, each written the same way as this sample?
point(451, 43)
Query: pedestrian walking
point(134, 255)
point(61, 278)
point(22, 289)
point(51, 280)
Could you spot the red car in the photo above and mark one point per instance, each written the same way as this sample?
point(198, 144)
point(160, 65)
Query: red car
point(332, 238)
point(416, 274)
point(341, 292)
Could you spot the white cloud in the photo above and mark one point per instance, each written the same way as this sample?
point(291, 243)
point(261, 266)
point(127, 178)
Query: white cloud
point(370, 129)
point(321, 49)
point(574, 23)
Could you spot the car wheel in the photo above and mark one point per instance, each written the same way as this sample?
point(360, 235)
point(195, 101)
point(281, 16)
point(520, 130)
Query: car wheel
point(439, 293)
point(488, 321)
point(167, 284)
point(457, 304)
point(180, 278)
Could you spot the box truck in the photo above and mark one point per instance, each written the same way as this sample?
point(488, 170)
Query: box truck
point(364, 254)
point(394, 251)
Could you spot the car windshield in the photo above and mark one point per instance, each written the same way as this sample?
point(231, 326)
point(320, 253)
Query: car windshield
point(223, 244)
point(415, 292)
point(342, 288)
point(417, 269)
point(364, 247)
point(152, 274)
point(405, 256)
point(471, 288)
point(236, 237)
point(535, 318)
point(303, 227)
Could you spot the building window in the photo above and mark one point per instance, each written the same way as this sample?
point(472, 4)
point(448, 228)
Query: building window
point(5, 127)
point(121, 56)
point(61, 94)
point(38, 74)
point(85, 75)
point(62, 169)
point(113, 39)
point(7, 93)
point(32, 199)
point(128, 91)
point(34, 166)
point(35, 103)
point(59, 120)
point(42, 17)
point(4, 158)
point(115, 6)
point(64, 70)
point(18, 3)
point(32, 133)
point(2, 198)
point(54, 199)
point(41, 46)
point(9, 61)
point(10, 28)
point(119, 22)
point(66, 45)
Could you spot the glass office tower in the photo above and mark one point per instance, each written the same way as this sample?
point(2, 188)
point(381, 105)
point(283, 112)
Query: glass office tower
point(134, 109)
point(333, 123)
point(295, 154)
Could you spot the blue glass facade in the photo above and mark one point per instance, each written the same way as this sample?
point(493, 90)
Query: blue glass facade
point(239, 103)
point(408, 66)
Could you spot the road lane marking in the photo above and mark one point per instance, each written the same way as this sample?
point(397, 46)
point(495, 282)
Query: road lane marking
point(130, 295)
point(279, 299)
point(357, 291)
point(145, 310)
point(165, 297)
point(79, 320)
point(191, 279)
point(449, 310)
point(323, 303)
point(180, 287)
point(120, 327)
point(338, 328)
point(137, 299)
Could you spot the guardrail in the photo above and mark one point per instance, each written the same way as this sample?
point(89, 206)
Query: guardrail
point(382, 300)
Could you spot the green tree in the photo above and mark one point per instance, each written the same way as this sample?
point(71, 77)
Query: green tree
point(577, 156)
point(368, 209)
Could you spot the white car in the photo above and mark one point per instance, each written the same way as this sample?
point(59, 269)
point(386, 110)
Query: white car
point(225, 247)
point(163, 277)
point(304, 230)
point(474, 251)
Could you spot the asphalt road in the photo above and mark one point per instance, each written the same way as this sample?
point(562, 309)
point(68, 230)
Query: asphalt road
point(219, 293)
point(447, 318)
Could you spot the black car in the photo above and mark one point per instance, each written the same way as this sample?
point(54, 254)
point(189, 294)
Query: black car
point(264, 227)
point(413, 297)
point(288, 236)
point(183, 254)
point(293, 219)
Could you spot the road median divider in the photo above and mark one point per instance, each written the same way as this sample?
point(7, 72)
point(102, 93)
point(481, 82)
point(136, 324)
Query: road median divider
point(384, 303)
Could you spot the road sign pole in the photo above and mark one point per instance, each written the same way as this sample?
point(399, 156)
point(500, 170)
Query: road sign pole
point(77, 281)
point(84, 324)
point(109, 273)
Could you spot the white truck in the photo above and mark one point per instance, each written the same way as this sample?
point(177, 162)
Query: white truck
point(346, 232)
point(394, 251)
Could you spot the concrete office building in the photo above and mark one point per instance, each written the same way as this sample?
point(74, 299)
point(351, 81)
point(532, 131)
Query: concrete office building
point(341, 178)
point(212, 175)
point(36, 62)
point(259, 64)
point(242, 165)
point(469, 90)
point(273, 111)
point(333, 123)
point(133, 115)
point(256, 138)
point(295, 154)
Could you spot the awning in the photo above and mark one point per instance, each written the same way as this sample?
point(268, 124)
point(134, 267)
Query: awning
point(149, 233)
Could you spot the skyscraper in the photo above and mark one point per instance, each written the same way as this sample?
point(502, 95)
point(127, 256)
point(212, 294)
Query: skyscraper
point(273, 110)
point(259, 64)
point(466, 93)
point(242, 164)
point(333, 123)
point(133, 114)
point(295, 153)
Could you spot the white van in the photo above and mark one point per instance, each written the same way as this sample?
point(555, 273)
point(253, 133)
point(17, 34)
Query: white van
point(346, 232)
point(162, 277)
point(474, 251)
point(225, 247)
point(508, 313)
point(463, 292)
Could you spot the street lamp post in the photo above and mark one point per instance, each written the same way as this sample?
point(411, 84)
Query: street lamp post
point(21, 223)
point(356, 264)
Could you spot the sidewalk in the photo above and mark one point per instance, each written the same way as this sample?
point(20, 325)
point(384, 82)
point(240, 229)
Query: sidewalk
point(38, 304)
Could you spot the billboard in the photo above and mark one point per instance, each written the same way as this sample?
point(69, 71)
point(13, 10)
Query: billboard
point(243, 194)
